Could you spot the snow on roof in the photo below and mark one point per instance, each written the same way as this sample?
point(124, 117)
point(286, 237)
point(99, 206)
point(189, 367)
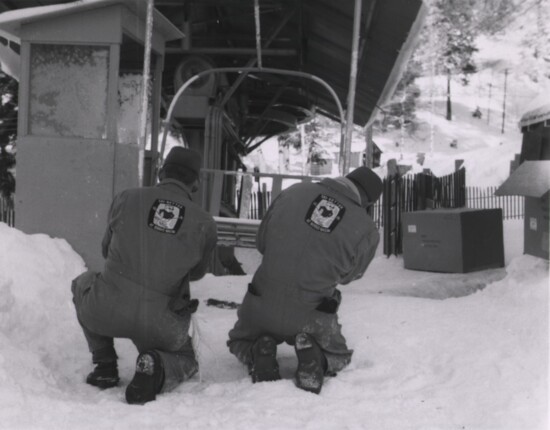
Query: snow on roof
point(537, 111)
point(531, 179)
point(9, 54)
point(11, 21)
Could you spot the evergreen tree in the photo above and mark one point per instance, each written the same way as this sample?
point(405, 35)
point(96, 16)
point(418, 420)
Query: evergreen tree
point(8, 133)
point(492, 16)
point(400, 112)
point(456, 29)
point(446, 44)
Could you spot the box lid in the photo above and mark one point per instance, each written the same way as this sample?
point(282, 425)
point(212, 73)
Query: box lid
point(530, 179)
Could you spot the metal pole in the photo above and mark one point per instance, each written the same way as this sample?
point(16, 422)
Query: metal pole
point(489, 102)
point(345, 151)
point(146, 73)
point(369, 148)
point(504, 100)
point(258, 33)
point(252, 61)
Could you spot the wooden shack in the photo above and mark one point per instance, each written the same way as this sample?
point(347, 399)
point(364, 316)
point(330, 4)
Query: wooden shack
point(532, 178)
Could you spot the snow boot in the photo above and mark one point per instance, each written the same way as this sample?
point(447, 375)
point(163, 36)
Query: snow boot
point(105, 375)
point(264, 366)
point(148, 379)
point(312, 364)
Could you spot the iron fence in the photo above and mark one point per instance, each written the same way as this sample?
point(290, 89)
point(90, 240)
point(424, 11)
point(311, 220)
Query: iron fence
point(476, 198)
point(260, 201)
point(484, 198)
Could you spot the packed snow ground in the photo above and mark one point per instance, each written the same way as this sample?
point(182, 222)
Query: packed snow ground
point(476, 361)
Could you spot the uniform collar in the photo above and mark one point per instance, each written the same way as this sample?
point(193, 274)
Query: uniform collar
point(176, 185)
point(343, 186)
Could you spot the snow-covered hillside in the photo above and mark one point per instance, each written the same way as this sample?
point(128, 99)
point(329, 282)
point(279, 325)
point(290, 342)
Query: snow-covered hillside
point(487, 144)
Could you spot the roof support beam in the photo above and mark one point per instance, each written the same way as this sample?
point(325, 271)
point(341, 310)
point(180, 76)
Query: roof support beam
point(258, 33)
point(252, 61)
point(146, 75)
point(233, 51)
point(258, 126)
point(346, 149)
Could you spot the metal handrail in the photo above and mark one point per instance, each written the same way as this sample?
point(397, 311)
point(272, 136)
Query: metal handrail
point(189, 82)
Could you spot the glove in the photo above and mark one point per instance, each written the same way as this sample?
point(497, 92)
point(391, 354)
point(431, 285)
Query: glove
point(331, 304)
point(184, 306)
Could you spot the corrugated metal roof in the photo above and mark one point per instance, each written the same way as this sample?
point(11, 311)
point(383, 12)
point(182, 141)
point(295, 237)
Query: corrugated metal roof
point(387, 43)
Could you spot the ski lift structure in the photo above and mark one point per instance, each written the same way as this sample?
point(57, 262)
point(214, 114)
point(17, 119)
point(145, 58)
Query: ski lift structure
point(226, 75)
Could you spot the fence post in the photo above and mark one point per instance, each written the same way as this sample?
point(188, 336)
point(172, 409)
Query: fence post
point(390, 214)
point(215, 198)
point(265, 199)
point(277, 186)
point(245, 199)
point(7, 211)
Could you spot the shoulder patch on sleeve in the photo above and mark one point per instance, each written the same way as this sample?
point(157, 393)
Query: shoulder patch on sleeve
point(166, 216)
point(325, 213)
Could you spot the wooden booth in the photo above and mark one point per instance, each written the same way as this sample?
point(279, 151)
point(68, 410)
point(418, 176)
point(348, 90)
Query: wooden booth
point(80, 102)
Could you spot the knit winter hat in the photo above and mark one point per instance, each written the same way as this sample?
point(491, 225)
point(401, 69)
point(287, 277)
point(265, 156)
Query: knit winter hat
point(184, 157)
point(369, 182)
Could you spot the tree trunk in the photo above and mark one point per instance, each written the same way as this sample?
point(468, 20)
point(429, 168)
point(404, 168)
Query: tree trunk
point(449, 115)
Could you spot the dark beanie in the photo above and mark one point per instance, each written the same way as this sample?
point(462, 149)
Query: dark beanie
point(369, 181)
point(184, 157)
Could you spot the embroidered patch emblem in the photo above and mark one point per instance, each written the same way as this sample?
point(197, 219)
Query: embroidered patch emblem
point(166, 216)
point(325, 213)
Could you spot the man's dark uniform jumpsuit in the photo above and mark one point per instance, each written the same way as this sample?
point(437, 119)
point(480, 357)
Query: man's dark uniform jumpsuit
point(313, 237)
point(156, 240)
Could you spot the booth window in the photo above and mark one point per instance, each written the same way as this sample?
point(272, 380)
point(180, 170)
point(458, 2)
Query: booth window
point(68, 91)
point(130, 84)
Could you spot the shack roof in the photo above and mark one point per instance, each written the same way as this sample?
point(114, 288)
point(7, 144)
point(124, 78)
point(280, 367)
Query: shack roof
point(10, 22)
point(537, 111)
point(530, 179)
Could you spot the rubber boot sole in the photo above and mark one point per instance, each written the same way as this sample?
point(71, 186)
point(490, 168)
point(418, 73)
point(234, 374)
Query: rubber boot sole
point(102, 382)
point(145, 384)
point(104, 376)
point(310, 373)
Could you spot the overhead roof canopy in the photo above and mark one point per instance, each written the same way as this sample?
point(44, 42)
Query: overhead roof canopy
point(313, 36)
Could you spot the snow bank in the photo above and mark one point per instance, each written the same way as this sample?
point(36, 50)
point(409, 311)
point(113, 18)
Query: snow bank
point(479, 361)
